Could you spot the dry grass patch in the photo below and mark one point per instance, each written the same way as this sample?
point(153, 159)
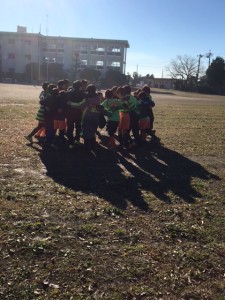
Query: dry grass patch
point(141, 225)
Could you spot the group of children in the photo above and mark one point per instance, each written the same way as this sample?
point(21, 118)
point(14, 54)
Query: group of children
point(80, 108)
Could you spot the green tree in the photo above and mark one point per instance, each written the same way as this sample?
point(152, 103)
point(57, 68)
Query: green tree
point(114, 77)
point(216, 73)
point(31, 72)
point(149, 76)
point(52, 71)
point(90, 74)
point(135, 75)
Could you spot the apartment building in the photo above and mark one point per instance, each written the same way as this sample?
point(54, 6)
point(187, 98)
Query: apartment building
point(17, 49)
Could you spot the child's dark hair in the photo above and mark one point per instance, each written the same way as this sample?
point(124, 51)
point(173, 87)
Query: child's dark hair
point(127, 89)
point(142, 95)
point(84, 81)
point(77, 84)
point(114, 88)
point(120, 90)
point(45, 85)
point(91, 90)
point(54, 92)
point(60, 83)
point(51, 86)
point(137, 92)
point(109, 94)
point(146, 89)
point(66, 81)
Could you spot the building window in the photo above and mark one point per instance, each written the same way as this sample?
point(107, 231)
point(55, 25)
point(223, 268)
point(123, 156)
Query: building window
point(94, 49)
point(83, 62)
point(115, 64)
point(114, 51)
point(52, 48)
point(60, 60)
point(11, 70)
point(28, 56)
point(11, 41)
point(60, 46)
point(28, 42)
point(11, 55)
point(77, 47)
point(100, 49)
point(99, 64)
point(84, 49)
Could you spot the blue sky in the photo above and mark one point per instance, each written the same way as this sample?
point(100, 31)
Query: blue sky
point(157, 31)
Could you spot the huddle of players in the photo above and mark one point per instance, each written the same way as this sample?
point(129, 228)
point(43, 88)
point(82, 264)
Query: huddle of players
point(82, 109)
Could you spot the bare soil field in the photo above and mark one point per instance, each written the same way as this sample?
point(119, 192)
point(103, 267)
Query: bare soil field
point(144, 224)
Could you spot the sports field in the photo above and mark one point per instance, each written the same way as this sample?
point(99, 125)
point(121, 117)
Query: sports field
point(145, 224)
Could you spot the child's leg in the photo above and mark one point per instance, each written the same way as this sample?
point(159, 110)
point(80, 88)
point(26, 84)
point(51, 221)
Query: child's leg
point(35, 130)
point(87, 143)
point(126, 136)
point(92, 144)
point(120, 137)
point(61, 126)
point(111, 128)
point(70, 129)
point(49, 130)
point(61, 135)
point(134, 119)
point(40, 133)
point(78, 130)
point(151, 121)
point(77, 121)
point(143, 135)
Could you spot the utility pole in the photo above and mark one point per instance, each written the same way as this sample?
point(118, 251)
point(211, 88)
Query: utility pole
point(199, 61)
point(76, 64)
point(47, 58)
point(31, 71)
point(208, 55)
point(39, 62)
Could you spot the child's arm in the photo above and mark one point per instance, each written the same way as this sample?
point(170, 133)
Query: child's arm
point(152, 103)
point(80, 105)
point(103, 111)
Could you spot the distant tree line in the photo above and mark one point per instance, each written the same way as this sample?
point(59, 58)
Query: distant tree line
point(190, 77)
point(185, 70)
point(53, 72)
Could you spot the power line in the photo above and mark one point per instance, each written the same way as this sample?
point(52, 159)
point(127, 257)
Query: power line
point(143, 66)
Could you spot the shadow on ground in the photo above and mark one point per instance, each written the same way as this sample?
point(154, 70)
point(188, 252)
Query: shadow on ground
point(122, 177)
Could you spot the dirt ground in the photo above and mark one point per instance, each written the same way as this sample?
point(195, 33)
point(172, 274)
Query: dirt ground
point(143, 224)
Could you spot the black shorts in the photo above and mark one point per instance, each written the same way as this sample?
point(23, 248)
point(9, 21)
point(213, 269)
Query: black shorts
point(111, 127)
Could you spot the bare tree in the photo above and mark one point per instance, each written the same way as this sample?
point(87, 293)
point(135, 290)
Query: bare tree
point(183, 67)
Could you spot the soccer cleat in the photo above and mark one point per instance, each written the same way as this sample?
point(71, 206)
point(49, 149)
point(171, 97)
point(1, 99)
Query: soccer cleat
point(29, 138)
